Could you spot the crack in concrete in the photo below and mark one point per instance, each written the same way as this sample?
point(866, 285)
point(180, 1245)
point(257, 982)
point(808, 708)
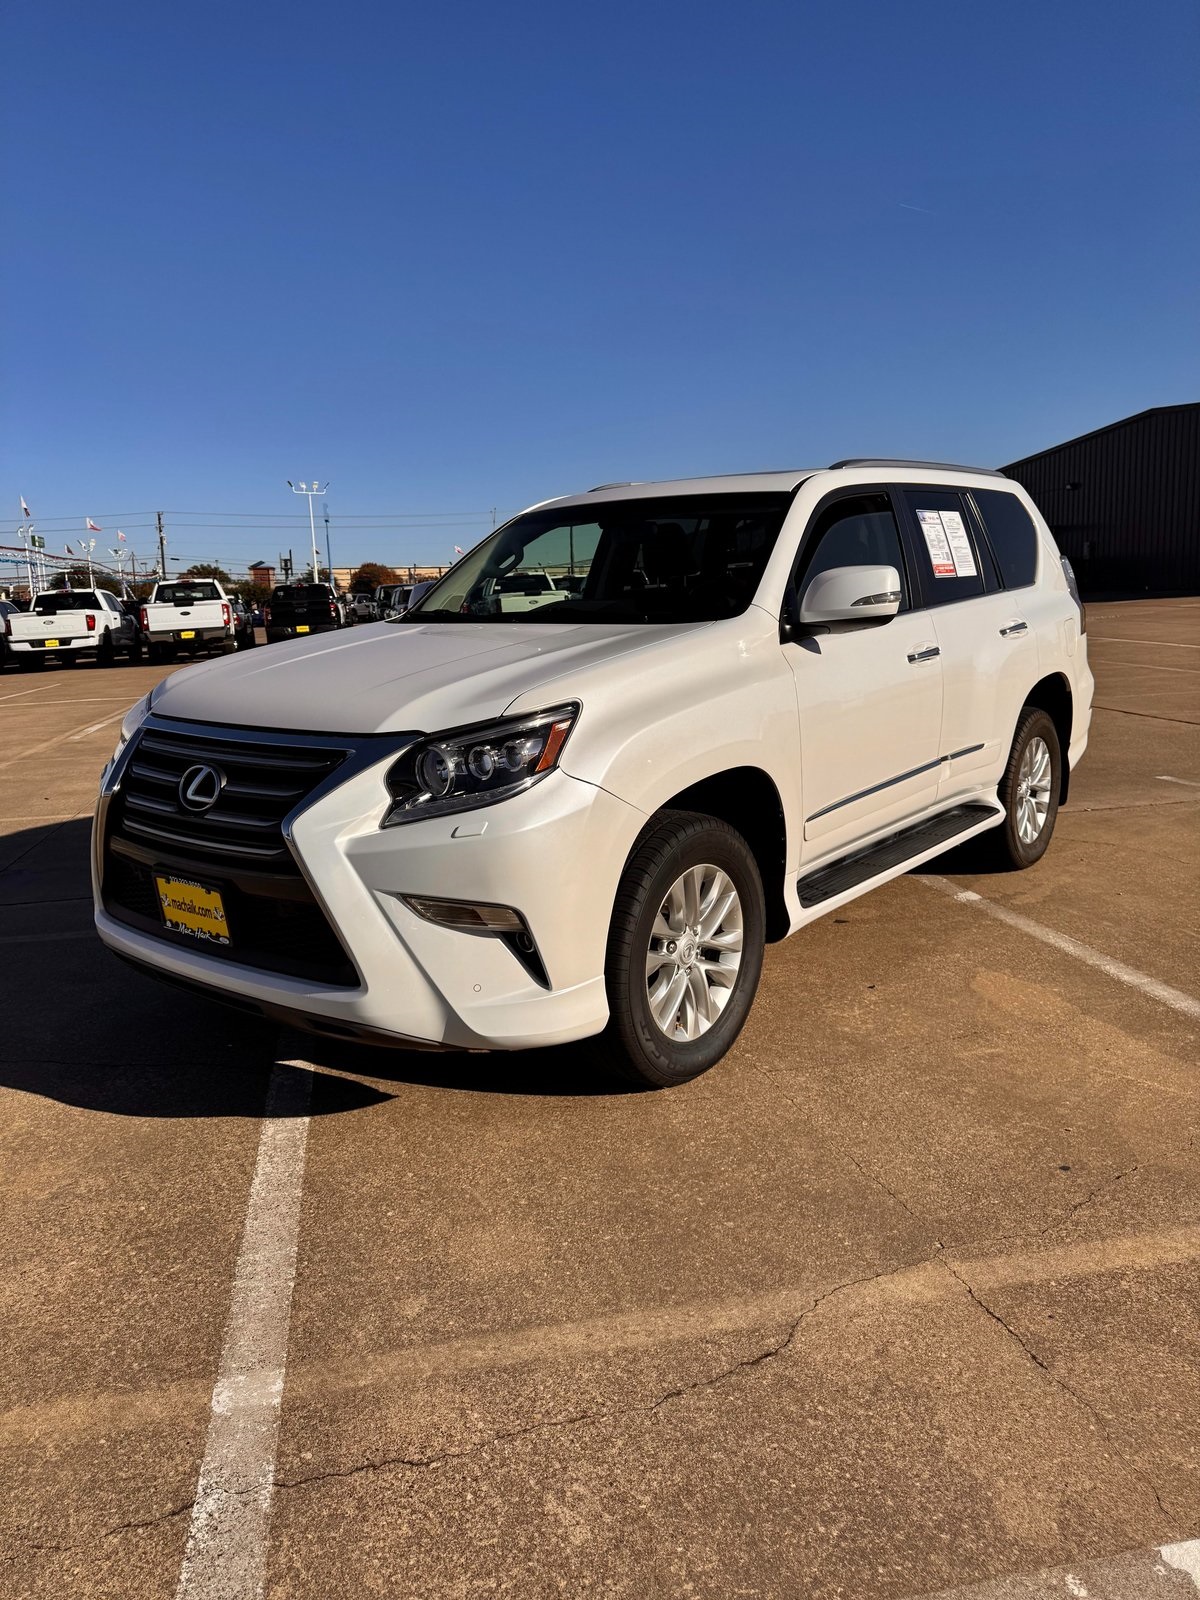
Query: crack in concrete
point(101, 1533)
point(1111, 1183)
point(419, 1463)
point(1060, 1383)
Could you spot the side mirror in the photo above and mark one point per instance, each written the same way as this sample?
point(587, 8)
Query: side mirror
point(852, 594)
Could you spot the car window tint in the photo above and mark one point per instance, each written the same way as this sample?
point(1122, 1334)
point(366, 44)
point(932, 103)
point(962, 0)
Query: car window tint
point(859, 531)
point(949, 561)
point(1011, 534)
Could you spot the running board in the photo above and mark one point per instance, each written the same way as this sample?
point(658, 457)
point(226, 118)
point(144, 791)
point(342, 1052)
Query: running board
point(841, 876)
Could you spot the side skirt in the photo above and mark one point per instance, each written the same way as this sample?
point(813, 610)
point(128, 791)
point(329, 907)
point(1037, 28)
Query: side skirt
point(895, 854)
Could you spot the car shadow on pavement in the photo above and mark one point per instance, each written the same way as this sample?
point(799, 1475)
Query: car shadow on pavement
point(80, 1026)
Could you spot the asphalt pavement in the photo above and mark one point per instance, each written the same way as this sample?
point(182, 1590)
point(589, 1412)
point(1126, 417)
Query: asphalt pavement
point(900, 1300)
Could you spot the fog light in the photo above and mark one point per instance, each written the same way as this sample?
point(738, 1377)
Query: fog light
point(467, 917)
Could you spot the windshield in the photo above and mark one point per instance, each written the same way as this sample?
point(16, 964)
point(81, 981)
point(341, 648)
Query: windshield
point(691, 558)
point(49, 605)
point(185, 594)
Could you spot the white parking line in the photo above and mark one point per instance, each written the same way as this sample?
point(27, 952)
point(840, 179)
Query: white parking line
point(1138, 1572)
point(94, 727)
point(19, 694)
point(1159, 644)
point(226, 1551)
point(61, 738)
point(1156, 990)
point(1190, 782)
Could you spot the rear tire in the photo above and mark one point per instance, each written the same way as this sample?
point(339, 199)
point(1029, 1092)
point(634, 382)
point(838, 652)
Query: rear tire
point(228, 647)
point(1029, 792)
point(685, 950)
point(105, 654)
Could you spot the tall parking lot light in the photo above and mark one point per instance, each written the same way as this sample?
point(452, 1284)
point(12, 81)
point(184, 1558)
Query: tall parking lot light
point(310, 491)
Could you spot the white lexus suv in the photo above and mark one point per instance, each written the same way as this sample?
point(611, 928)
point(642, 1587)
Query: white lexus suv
point(752, 699)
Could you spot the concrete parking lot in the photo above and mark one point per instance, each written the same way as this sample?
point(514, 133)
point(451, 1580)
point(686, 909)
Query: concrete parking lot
point(903, 1298)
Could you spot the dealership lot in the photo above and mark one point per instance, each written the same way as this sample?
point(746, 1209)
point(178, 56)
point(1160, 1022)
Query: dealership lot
point(900, 1299)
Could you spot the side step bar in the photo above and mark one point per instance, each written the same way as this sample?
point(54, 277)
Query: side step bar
point(850, 871)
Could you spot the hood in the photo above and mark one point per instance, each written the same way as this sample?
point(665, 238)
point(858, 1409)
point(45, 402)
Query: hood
point(397, 677)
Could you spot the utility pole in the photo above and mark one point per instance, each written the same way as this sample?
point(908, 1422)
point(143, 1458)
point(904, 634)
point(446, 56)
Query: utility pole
point(328, 553)
point(162, 549)
point(310, 495)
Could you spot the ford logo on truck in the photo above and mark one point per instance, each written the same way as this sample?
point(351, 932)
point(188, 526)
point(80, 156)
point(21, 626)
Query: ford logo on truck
point(200, 787)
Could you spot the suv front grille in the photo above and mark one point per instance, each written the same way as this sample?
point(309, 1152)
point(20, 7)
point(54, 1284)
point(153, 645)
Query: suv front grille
point(262, 782)
point(236, 846)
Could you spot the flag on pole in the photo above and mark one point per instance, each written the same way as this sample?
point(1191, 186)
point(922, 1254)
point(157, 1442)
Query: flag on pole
point(458, 550)
point(120, 537)
point(25, 511)
point(92, 527)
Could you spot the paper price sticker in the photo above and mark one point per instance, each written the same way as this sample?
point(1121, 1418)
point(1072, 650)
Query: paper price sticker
point(941, 557)
point(960, 544)
point(949, 546)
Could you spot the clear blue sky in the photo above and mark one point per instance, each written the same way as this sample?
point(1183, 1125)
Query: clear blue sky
point(462, 256)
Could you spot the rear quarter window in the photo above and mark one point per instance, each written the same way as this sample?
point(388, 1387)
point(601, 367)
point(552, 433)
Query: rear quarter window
point(1011, 534)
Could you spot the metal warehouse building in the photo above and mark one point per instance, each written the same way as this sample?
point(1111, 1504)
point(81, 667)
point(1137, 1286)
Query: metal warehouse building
point(1124, 502)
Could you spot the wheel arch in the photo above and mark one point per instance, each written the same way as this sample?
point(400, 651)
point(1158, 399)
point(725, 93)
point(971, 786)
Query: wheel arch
point(1052, 695)
point(749, 801)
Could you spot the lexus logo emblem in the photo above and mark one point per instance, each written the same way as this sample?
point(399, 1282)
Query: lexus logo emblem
point(200, 788)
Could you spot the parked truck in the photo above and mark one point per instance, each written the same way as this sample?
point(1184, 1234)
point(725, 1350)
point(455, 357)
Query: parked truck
point(297, 609)
point(188, 615)
point(71, 624)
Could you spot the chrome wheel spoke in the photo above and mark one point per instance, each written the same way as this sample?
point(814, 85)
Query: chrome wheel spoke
point(698, 990)
point(721, 901)
point(665, 1003)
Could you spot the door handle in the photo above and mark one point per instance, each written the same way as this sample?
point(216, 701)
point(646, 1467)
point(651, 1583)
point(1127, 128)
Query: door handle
point(925, 652)
point(1014, 627)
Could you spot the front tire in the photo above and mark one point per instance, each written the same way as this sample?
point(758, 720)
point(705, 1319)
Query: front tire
point(685, 950)
point(1029, 792)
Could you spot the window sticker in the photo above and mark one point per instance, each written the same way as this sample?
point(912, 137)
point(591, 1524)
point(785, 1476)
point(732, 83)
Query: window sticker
point(960, 544)
point(949, 547)
point(940, 555)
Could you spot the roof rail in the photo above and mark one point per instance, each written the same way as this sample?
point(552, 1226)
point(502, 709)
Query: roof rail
point(625, 483)
point(888, 461)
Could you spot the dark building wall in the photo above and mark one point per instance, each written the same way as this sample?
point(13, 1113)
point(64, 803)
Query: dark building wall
point(1124, 502)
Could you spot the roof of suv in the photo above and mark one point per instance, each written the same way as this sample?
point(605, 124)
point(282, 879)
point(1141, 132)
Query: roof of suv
point(761, 482)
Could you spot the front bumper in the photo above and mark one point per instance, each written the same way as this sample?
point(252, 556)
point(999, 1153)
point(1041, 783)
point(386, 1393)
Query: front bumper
point(554, 853)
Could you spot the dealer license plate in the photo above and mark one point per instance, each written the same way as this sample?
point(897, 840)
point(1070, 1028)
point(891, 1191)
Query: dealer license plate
point(191, 908)
point(188, 633)
point(302, 627)
point(51, 644)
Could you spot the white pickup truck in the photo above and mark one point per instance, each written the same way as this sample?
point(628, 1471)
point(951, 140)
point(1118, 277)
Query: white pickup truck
point(70, 624)
point(188, 614)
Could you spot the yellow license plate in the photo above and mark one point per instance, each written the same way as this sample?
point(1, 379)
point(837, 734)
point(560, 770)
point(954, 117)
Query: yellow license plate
point(188, 633)
point(302, 627)
point(190, 908)
point(51, 644)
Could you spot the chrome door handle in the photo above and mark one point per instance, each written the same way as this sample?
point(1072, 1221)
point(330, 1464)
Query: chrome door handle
point(1014, 627)
point(926, 653)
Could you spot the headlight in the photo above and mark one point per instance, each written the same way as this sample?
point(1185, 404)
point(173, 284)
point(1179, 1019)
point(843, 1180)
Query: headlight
point(131, 722)
point(476, 766)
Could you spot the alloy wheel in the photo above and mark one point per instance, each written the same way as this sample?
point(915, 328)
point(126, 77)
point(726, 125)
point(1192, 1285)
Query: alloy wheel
point(695, 952)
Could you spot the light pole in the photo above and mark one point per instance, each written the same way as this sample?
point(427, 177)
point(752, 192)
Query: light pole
point(310, 494)
point(24, 533)
point(328, 550)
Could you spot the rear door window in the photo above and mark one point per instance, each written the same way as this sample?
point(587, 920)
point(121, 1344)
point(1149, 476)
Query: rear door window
point(949, 561)
point(1011, 534)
